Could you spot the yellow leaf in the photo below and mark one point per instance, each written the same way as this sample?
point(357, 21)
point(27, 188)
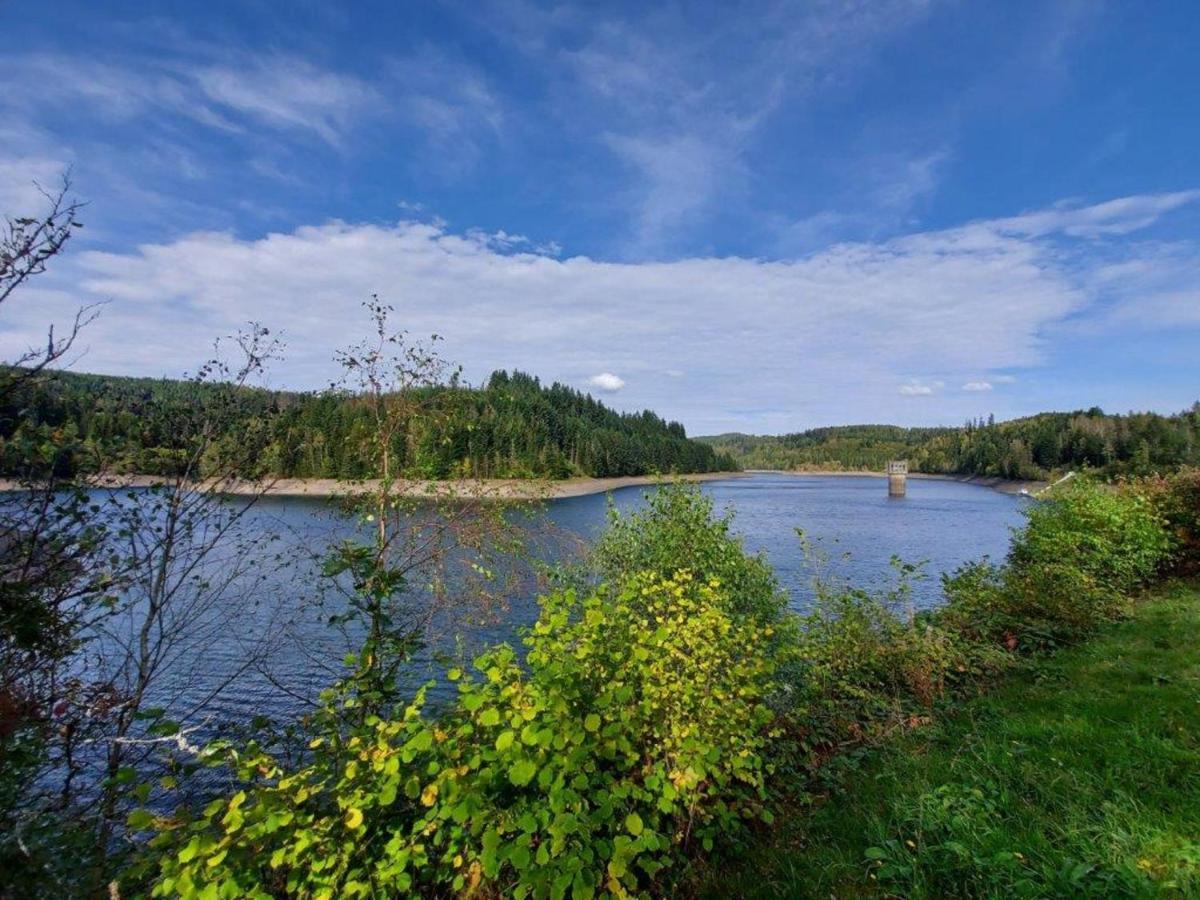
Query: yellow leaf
point(354, 818)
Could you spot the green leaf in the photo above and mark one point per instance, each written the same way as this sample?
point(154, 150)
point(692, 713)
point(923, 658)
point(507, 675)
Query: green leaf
point(592, 722)
point(489, 717)
point(522, 772)
point(189, 851)
point(505, 740)
point(491, 842)
point(519, 857)
point(633, 824)
point(387, 794)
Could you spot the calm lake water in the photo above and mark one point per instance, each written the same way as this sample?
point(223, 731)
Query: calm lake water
point(851, 519)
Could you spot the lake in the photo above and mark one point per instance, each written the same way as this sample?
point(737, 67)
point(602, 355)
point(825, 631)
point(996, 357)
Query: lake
point(853, 522)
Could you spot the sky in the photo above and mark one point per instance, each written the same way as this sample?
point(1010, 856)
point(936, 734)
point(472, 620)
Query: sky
point(756, 217)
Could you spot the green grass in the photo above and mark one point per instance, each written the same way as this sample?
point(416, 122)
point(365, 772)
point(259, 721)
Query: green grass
point(1077, 777)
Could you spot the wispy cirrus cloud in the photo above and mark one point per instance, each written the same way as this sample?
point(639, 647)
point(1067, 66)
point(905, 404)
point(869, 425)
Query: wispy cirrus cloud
point(284, 92)
point(449, 102)
point(680, 105)
point(1120, 216)
point(230, 94)
point(187, 135)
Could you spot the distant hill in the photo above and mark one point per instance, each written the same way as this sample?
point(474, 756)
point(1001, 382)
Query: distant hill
point(849, 447)
point(513, 427)
point(1034, 447)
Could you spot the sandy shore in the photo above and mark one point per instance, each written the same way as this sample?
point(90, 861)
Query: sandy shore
point(518, 488)
point(471, 489)
point(1003, 485)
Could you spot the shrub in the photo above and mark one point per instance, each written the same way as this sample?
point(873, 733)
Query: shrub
point(1077, 562)
point(1081, 556)
point(637, 735)
point(677, 529)
point(976, 603)
point(1176, 499)
point(862, 667)
point(1110, 536)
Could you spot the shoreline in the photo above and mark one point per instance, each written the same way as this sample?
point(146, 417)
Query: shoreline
point(1003, 485)
point(466, 489)
point(514, 488)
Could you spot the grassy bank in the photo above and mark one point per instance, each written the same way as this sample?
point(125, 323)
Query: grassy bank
point(1079, 776)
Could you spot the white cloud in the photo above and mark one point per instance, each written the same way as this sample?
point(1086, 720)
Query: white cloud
point(607, 382)
point(830, 336)
point(977, 386)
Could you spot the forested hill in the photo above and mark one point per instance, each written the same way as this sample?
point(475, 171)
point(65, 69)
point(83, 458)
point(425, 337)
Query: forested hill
point(514, 427)
point(850, 448)
point(1029, 448)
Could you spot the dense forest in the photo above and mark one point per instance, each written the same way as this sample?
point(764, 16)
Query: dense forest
point(850, 448)
point(1029, 448)
point(513, 427)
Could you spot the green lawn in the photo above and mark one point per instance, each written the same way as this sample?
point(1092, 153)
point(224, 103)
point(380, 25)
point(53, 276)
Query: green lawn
point(1079, 777)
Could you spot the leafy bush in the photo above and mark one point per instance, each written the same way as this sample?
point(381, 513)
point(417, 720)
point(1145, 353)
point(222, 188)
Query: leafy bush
point(1082, 555)
point(1176, 499)
point(677, 529)
point(976, 603)
point(637, 734)
point(1109, 536)
point(868, 662)
point(863, 669)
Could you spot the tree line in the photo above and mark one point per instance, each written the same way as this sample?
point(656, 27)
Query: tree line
point(1034, 447)
point(513, 427)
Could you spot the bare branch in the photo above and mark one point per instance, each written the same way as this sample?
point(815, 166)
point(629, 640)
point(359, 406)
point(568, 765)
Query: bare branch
point(27, 244)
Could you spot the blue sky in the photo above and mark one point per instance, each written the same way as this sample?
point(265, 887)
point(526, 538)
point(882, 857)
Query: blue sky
point(759, 217)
